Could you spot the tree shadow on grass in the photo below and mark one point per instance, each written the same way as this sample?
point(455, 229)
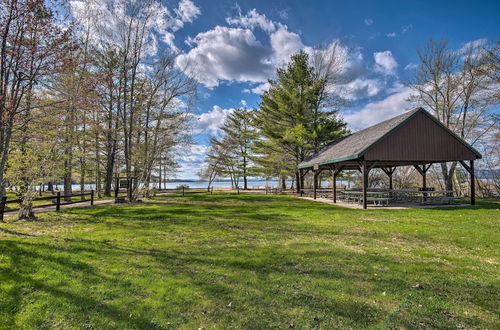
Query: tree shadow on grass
point(268, 276)
point(329, 283)
point(21, 279)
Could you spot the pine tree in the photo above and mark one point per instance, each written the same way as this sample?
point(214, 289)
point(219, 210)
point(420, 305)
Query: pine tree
point(292, 120)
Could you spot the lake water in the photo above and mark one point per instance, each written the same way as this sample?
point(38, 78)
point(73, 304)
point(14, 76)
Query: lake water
point(203, 184)
point(191, 184)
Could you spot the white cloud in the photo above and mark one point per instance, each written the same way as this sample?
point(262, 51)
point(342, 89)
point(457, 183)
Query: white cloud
point(284, 44)
point(376, 112)
point(210, 122)
point(234, 53)
point(224, 53)
point(368, 21)
point(106, 19)
point(259, 89)
point(391, 35)
point(190, 160)
point(243, 103)
point(475, 47)
point(406, 28)
point(385, 63)
point(252, 20)
point(411, 66)
point(362, 88)
point(354, 66)
point(283, 14)
point(187, 11)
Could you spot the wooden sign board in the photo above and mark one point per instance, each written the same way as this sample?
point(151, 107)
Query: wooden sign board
point(124, 184)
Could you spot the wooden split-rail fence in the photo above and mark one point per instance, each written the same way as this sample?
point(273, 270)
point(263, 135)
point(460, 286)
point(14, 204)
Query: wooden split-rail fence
point(57, 200)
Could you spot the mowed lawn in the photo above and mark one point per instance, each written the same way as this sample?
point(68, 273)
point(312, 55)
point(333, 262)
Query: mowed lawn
point(253, 262)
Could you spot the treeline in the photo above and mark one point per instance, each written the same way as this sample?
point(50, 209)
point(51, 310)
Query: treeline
point(80, 104)
point(299, 115)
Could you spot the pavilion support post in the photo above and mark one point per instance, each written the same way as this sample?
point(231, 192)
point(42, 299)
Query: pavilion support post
point(315, 182)
point(335, 171)
point(298, 176)
point(470, 169)
point(334, 184)
point(389, 171)
point(423, 172)
point(364, 173)
point(472, 184)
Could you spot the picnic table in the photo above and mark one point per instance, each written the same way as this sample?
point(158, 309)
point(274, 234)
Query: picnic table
point(423, 196)
point(356, 196)
point(383, 196)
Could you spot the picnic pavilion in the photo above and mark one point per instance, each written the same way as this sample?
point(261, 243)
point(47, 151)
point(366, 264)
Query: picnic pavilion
point(415, 138)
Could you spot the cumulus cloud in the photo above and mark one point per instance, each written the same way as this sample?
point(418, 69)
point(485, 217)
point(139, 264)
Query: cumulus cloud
point(225, 53)
point(233, 53)
point(284, 44)
point(106, 19)
point(368, 21)
point(259, 89)
point(385, 63)
point(362, 88)
point(211, 121)
point(391, 35)
point(187, 11)
point(252, 20)
point(375, 112)
point(354, 67)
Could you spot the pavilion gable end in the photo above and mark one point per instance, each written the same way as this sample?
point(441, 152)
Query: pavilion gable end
point(420, 138)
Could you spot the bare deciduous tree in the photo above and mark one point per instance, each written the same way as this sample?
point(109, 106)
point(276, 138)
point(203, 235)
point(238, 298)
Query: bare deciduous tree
point(453, 86)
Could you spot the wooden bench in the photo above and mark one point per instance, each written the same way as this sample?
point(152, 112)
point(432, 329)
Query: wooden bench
point(120, 200)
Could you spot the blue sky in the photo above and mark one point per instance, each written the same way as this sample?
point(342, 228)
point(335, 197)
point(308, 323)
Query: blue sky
point(236, 46)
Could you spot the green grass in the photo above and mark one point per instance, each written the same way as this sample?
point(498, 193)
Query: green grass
point(251, 261)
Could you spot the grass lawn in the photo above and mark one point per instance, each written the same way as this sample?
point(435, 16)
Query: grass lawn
point(251, 261)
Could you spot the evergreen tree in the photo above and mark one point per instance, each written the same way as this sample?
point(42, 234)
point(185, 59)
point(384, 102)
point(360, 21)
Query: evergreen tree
point(292, 119)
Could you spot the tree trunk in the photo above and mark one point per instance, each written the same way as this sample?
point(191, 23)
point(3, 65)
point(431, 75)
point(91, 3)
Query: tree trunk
point(110, 164)
point(26, 211)
point(448, 175)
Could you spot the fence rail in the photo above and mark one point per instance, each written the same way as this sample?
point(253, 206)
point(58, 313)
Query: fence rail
point(184, 191)
point(56, 201)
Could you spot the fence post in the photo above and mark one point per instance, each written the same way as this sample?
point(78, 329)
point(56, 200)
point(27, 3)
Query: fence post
point(58, 201)
point(92, 197)
point(211, 190)
point(2, 207)
point(182, 191)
